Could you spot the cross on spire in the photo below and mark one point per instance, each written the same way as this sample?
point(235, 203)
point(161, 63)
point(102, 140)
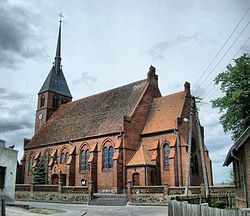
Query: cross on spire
point(61, 16)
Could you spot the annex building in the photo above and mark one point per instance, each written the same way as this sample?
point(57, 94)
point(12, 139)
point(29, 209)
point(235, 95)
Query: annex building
point(128, 133)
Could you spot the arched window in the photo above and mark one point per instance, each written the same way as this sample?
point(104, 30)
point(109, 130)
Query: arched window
point(87, 159)
point(55, 103)
point(84, 160)
point(111, 150)
point(31, 164)
point(63, 158)
point(66, 157)
point(166, 155)
point(42, 101)
point(105, 158)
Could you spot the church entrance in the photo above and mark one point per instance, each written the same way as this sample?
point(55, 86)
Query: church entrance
point(136, 179)
point(55, 179)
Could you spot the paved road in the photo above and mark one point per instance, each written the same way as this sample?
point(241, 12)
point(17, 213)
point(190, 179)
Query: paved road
point(86, 210)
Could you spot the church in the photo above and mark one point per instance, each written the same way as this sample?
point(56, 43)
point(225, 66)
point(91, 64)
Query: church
point(128, 133)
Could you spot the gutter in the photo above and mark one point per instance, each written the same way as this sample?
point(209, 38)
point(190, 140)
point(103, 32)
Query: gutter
point(244, 176)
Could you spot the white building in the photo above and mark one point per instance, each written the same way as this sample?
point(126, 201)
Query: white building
point(8, 162)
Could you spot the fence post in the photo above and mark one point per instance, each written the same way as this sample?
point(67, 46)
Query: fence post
point(90, 191)
point(2, 207)
point(60, 185)
point(129, 192)
point(165, 192)
point(31, 187)
point(202, 189)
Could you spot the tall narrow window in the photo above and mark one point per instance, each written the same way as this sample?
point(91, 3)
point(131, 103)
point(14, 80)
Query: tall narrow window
point(63, 158)
point(31, 164)
point(66, 157)
point(111, 157)
point(42, 101)
point(166, 155)
point(105, 158)
point(55, 103)
point(82, 160)
point(87, 158)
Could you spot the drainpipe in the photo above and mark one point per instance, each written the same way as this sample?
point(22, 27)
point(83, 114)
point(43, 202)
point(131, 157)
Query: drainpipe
point(24, 178)
point(244, 176)
point(178, 158)
point(120, 135)
point(146, 174)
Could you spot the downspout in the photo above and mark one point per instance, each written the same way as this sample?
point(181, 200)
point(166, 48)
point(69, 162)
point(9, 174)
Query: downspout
point(244, 176)
point(178, 158)
point(24, 168)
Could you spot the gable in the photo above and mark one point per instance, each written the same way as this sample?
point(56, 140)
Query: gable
point(164, 113)
point(94, 115)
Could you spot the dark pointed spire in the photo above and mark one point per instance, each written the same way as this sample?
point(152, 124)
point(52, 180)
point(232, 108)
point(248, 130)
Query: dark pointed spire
point(55, 81)
point(58, 51)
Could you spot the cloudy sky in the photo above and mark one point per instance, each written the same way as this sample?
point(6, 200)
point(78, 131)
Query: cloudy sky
point(110, 43)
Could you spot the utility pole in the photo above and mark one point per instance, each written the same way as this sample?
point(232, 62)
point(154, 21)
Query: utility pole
point(189, 147)
point(202, 154)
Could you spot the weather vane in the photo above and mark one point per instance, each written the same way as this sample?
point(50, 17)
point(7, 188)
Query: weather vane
point(61, 16)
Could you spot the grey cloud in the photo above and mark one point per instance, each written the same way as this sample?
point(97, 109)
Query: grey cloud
point(84, 78)
point(7, 125)
point(158, 49)
point(5, 94)
point(16, 30)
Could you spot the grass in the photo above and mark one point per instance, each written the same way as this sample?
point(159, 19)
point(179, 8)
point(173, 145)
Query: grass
point(45, 211)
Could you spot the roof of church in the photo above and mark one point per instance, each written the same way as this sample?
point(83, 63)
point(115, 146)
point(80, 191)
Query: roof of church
point(141, 157)
point(55, 81)
point(164, 113)
point(98, 114)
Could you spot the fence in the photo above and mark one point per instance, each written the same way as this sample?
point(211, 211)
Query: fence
point(194, 190)
point(186, 209)
point(52, 188)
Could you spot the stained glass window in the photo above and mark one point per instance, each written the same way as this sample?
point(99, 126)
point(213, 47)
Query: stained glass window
point(87, 158)
point(66, 157)
point(63, 158)
point(105, 158)
point(111, 157)
point(82, 160)
point(31, 163)
point(166, 155)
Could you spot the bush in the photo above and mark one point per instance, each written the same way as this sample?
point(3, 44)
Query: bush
point(219, 204)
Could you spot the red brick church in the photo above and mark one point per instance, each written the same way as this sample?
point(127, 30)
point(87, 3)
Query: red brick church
point(128, 133)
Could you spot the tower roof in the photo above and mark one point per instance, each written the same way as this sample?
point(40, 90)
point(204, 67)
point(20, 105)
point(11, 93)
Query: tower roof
point(55, 81)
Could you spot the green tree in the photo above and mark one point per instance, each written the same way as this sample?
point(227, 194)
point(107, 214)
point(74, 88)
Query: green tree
point(235, 105)
point(231, 176)
point(39, 172)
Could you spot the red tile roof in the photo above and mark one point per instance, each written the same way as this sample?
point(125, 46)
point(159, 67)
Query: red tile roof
point(94, 115)
point(141, 157)
point(164, 112)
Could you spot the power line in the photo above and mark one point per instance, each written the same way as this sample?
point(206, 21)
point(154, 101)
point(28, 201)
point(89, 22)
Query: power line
point(226, 52)
point(206, 89)
point(221, 48)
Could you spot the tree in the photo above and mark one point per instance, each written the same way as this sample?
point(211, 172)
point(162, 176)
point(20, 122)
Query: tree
point(235, 105)
point(231, 178)
point(39, 172)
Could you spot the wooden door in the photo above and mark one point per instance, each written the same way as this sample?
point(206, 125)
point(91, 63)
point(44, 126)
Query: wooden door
point(136, 179)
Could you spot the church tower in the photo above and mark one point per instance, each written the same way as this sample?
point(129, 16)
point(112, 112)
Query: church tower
point(54, 91)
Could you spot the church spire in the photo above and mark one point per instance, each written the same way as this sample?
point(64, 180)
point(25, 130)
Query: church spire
point(55, 81)
point(58, 50)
